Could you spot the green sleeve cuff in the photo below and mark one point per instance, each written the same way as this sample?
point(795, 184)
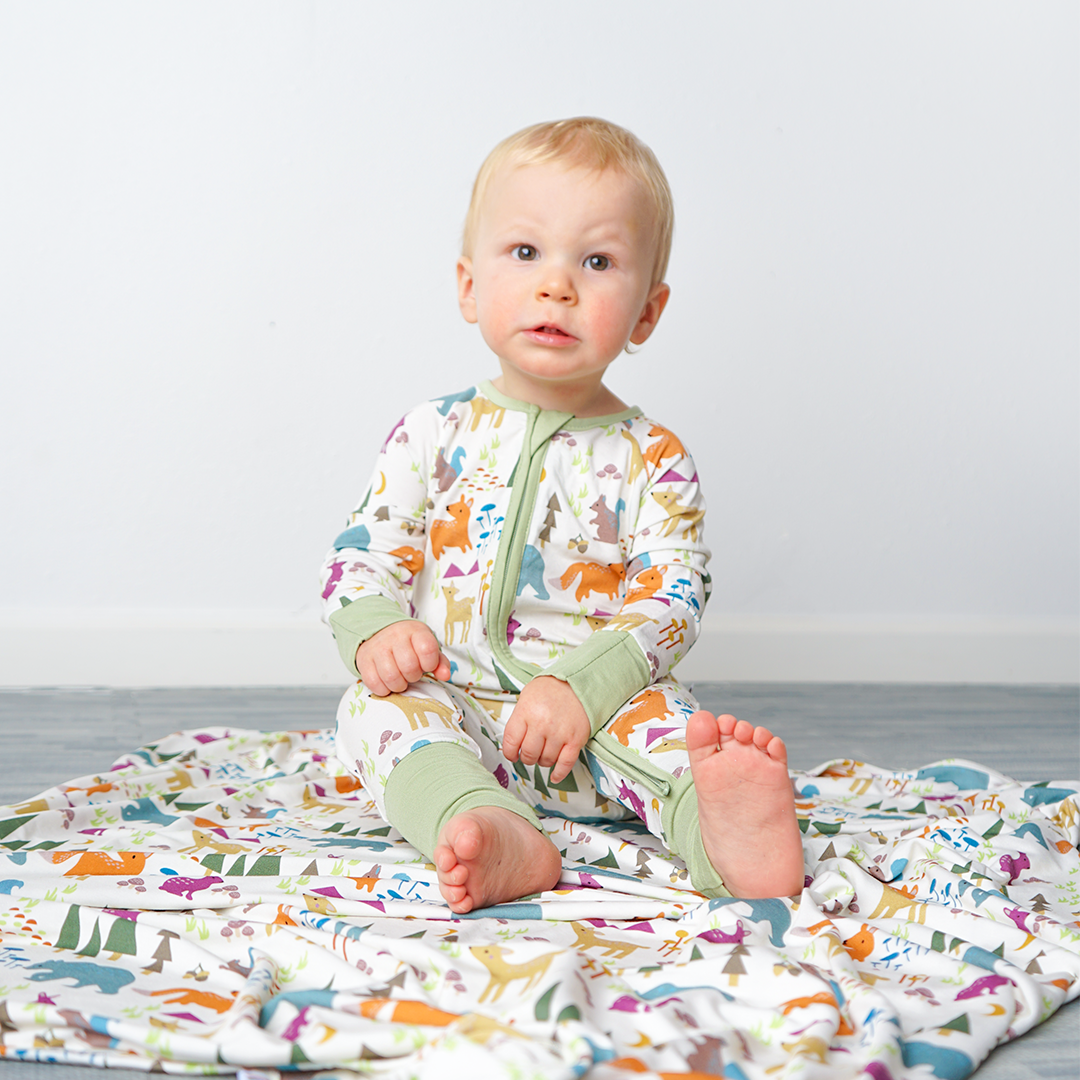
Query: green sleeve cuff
point(604, 672)
point(354, 623)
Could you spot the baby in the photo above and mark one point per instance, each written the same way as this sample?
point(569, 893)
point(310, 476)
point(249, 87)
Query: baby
point(527, 564)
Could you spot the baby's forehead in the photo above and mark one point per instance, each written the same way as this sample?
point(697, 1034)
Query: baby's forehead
point(573, 172)
point(521, 188)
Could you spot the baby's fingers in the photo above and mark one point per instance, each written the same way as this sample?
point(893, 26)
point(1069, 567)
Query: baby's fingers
point(513, 735)
point(369, 676)
point(390, 675)
point(408, 664)
point(565, 762)
point(426, 649)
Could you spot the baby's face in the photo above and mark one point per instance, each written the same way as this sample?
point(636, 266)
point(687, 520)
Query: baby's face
point(560, 278)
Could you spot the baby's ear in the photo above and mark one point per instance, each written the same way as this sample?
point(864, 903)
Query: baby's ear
point(650, 314)
point(466, 292)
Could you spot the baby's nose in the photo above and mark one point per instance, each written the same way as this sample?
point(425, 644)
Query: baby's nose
point(561, 290)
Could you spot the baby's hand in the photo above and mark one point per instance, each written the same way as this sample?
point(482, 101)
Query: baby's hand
point(547, 727)
point(398, 655)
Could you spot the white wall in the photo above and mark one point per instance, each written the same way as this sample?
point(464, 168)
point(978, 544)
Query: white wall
point(227, 236)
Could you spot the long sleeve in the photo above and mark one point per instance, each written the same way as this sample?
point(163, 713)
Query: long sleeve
point(667, 587)
point(368, 574)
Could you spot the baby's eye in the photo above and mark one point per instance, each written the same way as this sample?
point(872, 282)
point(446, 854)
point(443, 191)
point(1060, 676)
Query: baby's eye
point(524, 252)
point(597, 262)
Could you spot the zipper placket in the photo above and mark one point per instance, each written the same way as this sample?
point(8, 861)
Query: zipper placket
point(541, 425)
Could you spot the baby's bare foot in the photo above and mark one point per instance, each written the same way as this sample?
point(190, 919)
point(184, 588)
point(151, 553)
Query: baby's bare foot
point(491, 855)
point(746, 806)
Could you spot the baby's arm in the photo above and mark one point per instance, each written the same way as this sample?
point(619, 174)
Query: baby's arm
point(666, 589)
point(368, 574)
point(398, 655)
point(548, 727)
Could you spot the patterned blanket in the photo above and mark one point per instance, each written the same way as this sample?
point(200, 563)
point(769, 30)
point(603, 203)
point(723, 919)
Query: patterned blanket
point(226, 900)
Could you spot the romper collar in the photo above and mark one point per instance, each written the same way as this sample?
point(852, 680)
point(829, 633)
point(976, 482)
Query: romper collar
point(572, 423)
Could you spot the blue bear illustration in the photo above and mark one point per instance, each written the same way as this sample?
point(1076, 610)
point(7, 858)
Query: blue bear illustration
point(532, 572)
point(944, 1062)
point(1040, 796)
point(773, 912)
point(356, 537)
point(107, 979)
point(453, 399)
point(964, 779)
point(144, 810)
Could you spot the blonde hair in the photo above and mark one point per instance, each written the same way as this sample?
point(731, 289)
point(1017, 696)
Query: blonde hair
point(590, 143)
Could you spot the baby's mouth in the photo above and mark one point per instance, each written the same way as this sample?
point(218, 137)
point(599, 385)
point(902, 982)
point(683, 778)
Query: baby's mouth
point(549, 330)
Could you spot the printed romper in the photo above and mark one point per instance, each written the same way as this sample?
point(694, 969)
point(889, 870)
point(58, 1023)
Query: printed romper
point(530, 542)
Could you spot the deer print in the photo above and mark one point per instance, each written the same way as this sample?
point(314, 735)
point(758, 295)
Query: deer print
point(586, 937)
point(457, 611)
point(417, 708)
point(678, 514)
point(502, 973)
point(483, 407)
point(452, 532)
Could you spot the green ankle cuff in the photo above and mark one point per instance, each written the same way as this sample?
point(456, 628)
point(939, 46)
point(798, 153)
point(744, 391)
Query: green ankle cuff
point(432, 784)
point(680, 820)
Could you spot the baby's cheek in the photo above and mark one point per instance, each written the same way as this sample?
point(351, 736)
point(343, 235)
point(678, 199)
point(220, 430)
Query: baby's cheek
point(496, 314)
point(610, 323)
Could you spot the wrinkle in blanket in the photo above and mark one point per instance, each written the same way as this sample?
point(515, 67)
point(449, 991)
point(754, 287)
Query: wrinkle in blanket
point(228, 900)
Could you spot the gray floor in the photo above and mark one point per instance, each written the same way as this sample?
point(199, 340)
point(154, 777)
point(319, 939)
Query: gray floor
point(1030, 733)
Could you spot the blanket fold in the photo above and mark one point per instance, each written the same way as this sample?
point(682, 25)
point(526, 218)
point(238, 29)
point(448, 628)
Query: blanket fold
point(227, 900)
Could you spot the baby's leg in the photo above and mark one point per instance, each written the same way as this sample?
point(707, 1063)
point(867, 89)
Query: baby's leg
point(421, 756)
point(719, 796)
point(746, 806)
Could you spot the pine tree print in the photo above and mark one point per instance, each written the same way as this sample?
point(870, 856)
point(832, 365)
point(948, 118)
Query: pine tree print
point(553, 508)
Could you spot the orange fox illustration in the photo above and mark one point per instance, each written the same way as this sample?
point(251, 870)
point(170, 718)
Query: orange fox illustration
point(665, 447)
point(594, 578)
point(197, 997)
point(452, 532)
point(409, 557)
point(648, 705)
point(406, 1012)
point(646, 583)
point(860, 945)
point(100, 863)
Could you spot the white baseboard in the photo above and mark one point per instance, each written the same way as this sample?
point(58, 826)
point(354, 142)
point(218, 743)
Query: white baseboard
point(768, 649)
point(166, 648)
point(250, 648)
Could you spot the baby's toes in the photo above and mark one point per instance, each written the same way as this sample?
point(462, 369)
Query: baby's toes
point(762, 737)
point(701, 735)
point(456, 875)
point(744, 732)
point(453, 894)
point(777, 750)
point(444, 859)
point(727, 724)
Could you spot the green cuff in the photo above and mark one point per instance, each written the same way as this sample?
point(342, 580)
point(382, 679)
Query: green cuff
point(352, 624)
point(428, 786)
point(680, 821)
point(604, 672)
